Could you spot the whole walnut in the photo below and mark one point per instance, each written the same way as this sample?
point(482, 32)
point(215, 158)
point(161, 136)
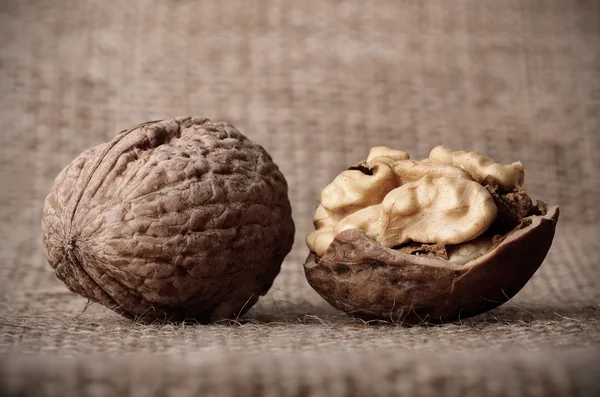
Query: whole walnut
point(435, 240)
point(171, 220)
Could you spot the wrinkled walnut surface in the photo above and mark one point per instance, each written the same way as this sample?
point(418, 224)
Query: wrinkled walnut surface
point(174, 219)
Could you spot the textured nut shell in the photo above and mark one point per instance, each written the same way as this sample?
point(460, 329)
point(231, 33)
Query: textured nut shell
point(367, 280)
point(175, 219)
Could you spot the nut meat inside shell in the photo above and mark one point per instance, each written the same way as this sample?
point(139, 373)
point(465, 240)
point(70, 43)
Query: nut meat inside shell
point(175, 219)
point(452, 265)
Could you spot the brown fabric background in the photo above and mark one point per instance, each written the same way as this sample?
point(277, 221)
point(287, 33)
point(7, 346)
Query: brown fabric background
point(317, 83)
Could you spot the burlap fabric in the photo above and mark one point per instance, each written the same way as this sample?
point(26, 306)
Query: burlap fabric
point(317, 83)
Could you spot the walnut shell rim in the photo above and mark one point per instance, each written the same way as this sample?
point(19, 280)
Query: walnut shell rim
point(369, 281)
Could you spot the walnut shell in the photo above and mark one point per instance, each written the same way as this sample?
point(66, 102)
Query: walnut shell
point(171, 220)
point(367, 280)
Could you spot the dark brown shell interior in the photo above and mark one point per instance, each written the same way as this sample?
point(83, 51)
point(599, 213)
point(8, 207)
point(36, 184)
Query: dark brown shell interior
point(362, 278)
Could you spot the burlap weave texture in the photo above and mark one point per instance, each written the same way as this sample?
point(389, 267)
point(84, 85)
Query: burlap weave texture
point(317, 83)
